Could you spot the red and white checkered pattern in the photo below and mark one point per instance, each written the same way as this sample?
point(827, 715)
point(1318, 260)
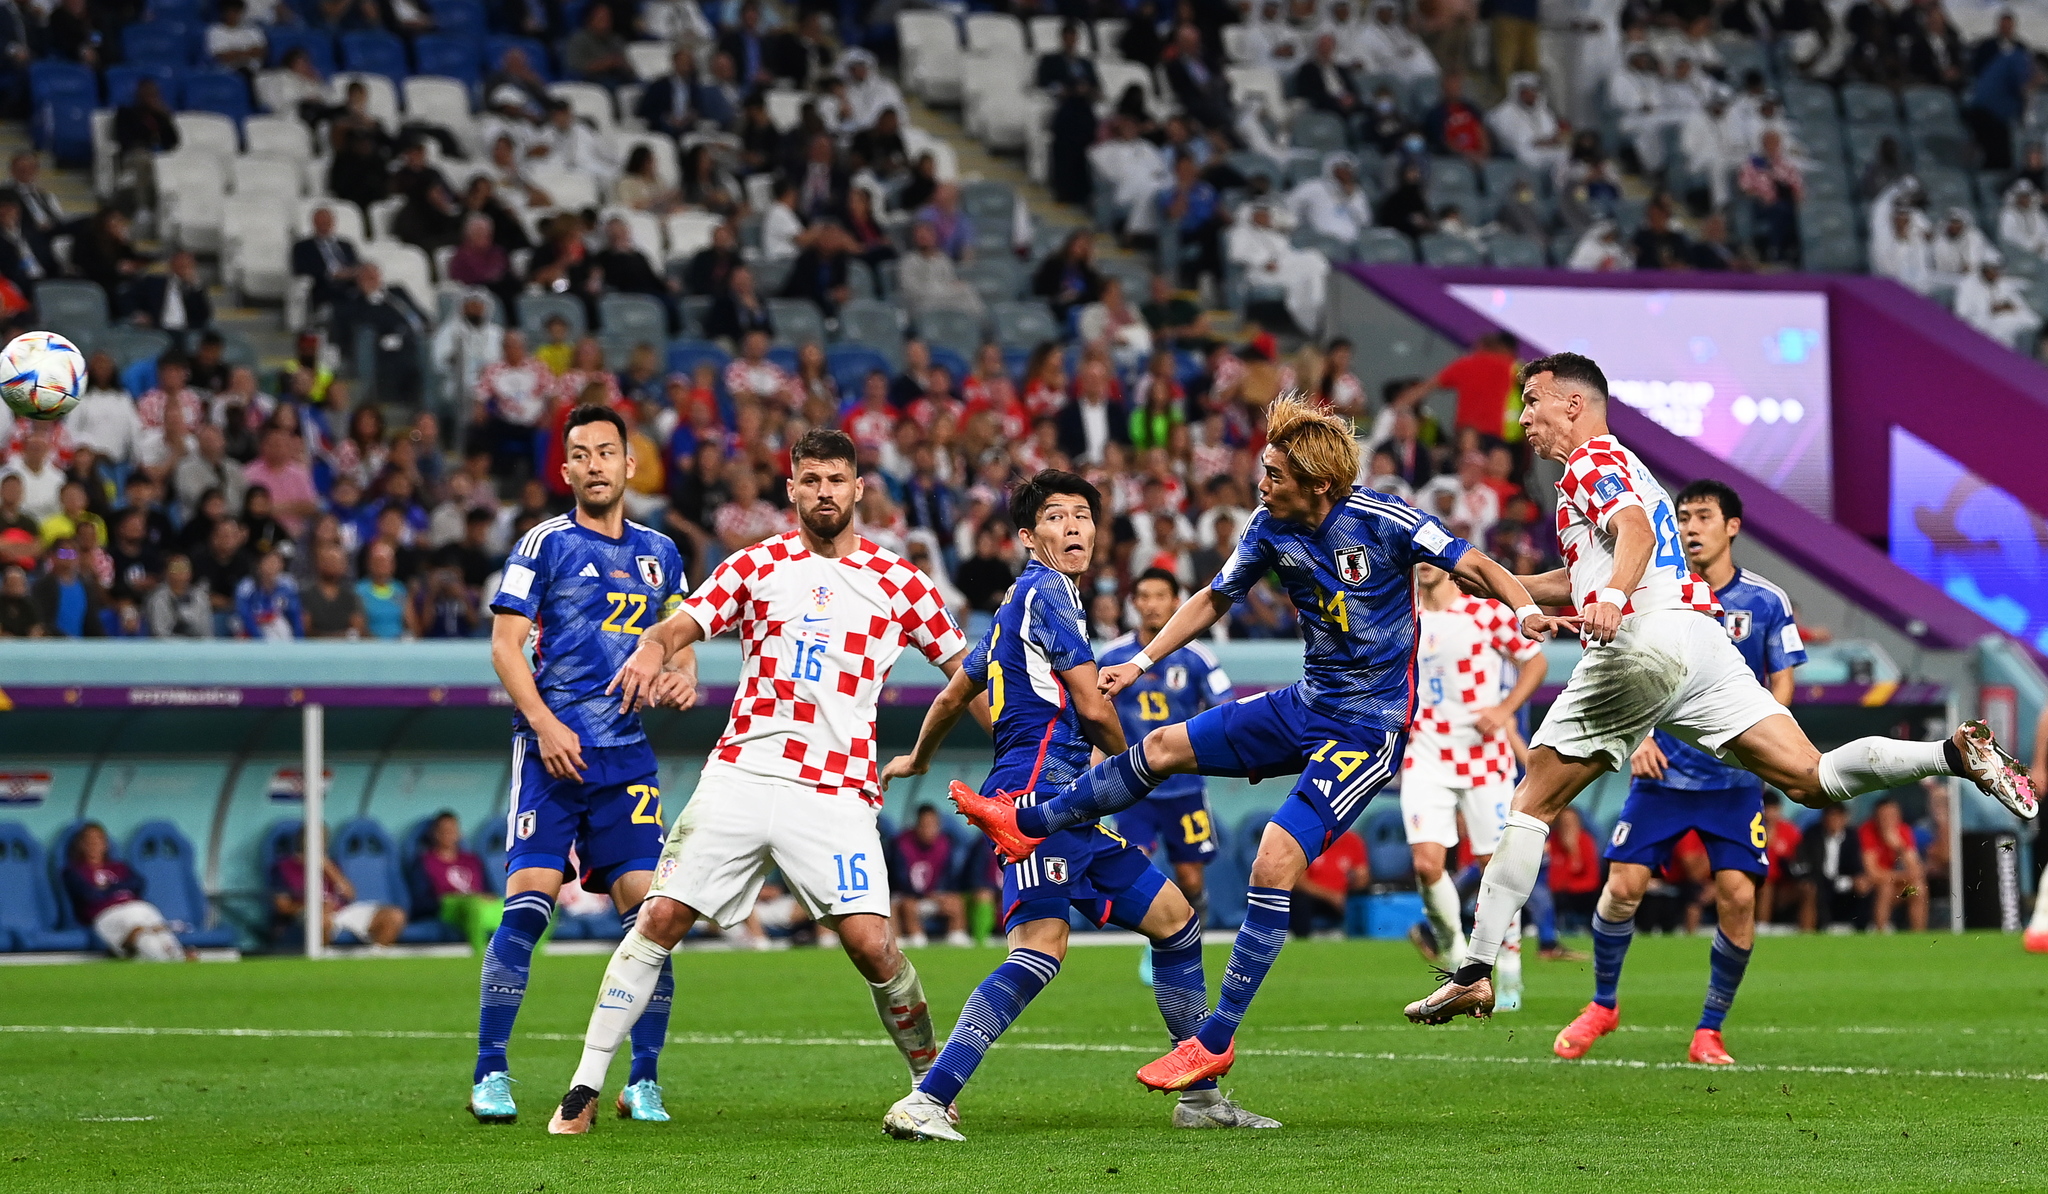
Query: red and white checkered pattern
point(1600, 478)
point(817, 639)
point(1462, 652)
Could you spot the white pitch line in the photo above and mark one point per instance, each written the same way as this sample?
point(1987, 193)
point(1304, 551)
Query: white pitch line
point(688, 1038)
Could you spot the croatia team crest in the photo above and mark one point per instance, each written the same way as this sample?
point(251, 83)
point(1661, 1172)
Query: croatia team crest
point(821, 599)
point(1352, 566)
point(1056, 870)
point(1737, 622)
point(650, 570)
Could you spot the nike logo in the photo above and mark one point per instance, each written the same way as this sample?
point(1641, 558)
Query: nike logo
point(612, 1007)
point(826, 618)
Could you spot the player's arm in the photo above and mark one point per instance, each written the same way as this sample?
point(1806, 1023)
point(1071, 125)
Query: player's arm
point(638, 681)
point(1477, 573)
point(1100, 725)
point(962, 692)
point(1192, 620)
point(561, 751)
point(978, 707)
point(676, 687)
point(1534, 670)
point(1633, 542)
point(1782, 686)
point(1552, 589)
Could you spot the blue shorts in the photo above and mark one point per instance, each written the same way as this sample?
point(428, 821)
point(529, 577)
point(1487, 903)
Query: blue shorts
point(612, 818)
point(1182, 824)
point(1340, 764)
point(1730, 822)
point(1093, 870)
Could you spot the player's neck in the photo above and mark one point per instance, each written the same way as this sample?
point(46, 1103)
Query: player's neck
point(1721, 573)
point(1146, 634)
point(1438, 598)
point(831, 549)
point(610, 523)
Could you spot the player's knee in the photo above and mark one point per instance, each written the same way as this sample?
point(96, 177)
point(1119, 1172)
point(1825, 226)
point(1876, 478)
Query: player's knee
point(663, 920)
point(1169, 748)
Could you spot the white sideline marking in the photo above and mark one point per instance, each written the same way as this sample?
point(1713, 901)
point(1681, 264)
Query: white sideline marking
point(115, 1119)
point(694, 1038)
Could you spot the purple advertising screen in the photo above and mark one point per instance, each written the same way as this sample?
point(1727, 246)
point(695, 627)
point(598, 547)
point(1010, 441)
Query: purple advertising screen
point(1742, 374)
point(1969, 538)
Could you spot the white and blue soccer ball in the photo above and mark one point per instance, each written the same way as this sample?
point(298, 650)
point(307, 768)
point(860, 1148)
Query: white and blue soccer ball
point(42, 375)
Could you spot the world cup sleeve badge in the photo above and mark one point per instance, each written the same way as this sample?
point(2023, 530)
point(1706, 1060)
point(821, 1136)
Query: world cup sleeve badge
point(650, 570)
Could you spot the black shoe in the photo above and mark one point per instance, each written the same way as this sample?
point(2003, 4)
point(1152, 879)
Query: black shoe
point(576, 1114)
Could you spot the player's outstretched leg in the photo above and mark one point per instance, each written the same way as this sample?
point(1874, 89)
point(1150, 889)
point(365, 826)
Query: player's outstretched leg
point(623, 996)
point(1774, 747)
point(641, 1099)
point(1183, 998)
point(1111, 786)
point(508, 960)
point(1210, 1052)
point(995, 1005)
point(995, 816)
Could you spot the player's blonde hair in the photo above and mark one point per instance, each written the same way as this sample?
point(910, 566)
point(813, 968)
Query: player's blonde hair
point(1317, 442)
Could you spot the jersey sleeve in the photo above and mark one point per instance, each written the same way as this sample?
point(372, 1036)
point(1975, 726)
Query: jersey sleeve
point(1431, 542)
point(1214, 681)
point(522, 582)
point(1055, 628)
point(976, 663)
point(927, 624)
point(1783, 647)
point(1505, 634)
point(717, 602)
point(1252, 560)
point(1596, 484)
point(672, 598)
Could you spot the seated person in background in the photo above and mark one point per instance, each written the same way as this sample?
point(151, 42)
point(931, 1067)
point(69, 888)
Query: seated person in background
point(596, 53)
point(1780, 889)
point(234, 42)
point(1341, 872)
point(922, 879)
point(377, 924)
point(107, 896)
point(1829, 867)
point(456, 877)
point(174, 300)
point(1892, 868)
point(325, 258)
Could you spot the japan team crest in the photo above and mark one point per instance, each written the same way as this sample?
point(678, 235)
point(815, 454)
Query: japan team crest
point(524, 828)
point(650, 570)
point(1352, 566)
point(1736, 622)
point(1056, 870)
point(1176, 677)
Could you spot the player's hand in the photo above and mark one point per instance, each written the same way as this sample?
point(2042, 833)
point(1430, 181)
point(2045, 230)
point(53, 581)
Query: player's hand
point(1601, 620)
point(901, 767)
point(1113, 680)
point(674, 688)
point(561, 751)
point(1540, 627)
point(635, 681)
point(1491, 719)
point(1648, 762)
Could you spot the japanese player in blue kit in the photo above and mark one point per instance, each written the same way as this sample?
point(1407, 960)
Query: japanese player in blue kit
point(1037, 667)
point(1678, 789)
point(579, 589)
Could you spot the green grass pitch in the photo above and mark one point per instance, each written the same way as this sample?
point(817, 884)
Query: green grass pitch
point(1901, 1063)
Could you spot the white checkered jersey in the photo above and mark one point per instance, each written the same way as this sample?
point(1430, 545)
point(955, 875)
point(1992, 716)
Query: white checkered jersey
point(1461, 666)
point(1602, 478)
point(817, 639)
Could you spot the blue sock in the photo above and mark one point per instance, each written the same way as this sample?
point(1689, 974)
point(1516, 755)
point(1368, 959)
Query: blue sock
point(1610, 946)
point(1178, 985)
point(990, 1011)
point(1111, 786)
point(1258, 946)
point(508, 959)
point(1542, 908)
point(650, 1031)
point(1727, 963)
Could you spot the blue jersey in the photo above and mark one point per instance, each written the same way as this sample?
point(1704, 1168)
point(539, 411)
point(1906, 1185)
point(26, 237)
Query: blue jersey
point(591, 598)
point(1349, 578)
point(1175, 689)
point(1758, 617)
point(1039, 631)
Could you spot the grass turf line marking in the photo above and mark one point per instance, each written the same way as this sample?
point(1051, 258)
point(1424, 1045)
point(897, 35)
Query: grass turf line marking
point(115, 1119)
point(688, 1038)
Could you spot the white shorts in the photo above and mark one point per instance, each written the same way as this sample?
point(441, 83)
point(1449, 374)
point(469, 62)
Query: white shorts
point(1431, 799)
point(356, 918)
point(114, 925)
point(738, 827)
point(1668, 669)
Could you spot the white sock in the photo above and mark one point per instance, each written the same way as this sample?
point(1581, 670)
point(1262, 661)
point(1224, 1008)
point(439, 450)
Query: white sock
point(1440, 903)
point(628, 981)
point(1876, 764)
point(158, 945)
point(2040, 921)
point(1508, 967)
point(900, 1003)
point(1509, 879)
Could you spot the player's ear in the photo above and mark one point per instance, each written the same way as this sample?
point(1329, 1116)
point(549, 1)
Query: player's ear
point(860, 488)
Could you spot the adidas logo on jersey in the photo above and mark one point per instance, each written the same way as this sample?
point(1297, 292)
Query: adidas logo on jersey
point(588, 570)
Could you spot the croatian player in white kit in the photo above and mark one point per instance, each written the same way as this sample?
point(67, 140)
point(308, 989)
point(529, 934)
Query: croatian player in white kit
point(1461, 756)
point(822, 615)
point(1656, 657)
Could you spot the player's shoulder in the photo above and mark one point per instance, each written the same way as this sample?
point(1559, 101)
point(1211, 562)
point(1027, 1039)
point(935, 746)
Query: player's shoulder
point(1600, 451)
point(1372, 505)
point(1766, 592)
point(535, 541)
point(646, 536)
point(1200, 652)
point(1118, 649)
point(762, 556)
point(894, 569)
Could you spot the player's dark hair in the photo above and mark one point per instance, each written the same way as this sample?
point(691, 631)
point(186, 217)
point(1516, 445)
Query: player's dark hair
point(1172, 581)
point(1029, 498)
point(586, 414)
point(1568, 366)
point(1722, 493)
point(924, 808)
point(825, 443)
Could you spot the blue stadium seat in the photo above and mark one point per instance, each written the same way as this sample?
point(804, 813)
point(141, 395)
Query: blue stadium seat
point(683, 356)
point(165, 859)
point(489, 843)
point(189, 12)
point(452, 56)
point(157, 43)
point(28, 906)
point(216, 91)
point(850, 365)
point(318, 44)
point(375, 53)
point(65, 95)
point(121, 82)
point(459, 18)
point(945, 356)
point(1386, 845)
point(367, 855)
point(496, 46)
point(783, 357)
point(51, 80)
point(58, 857)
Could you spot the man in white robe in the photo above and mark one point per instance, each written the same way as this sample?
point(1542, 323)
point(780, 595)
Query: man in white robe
point(1996, 305)
point(1390, 48)
point(1136, 169)
point(1268, 259)
point(1524, 123)
point(2021, 223)
point(1899, 250)
point(1334, 205)
point(868, 94)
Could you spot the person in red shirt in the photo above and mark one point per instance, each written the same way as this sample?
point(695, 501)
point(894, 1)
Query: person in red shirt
point(1484, 379)
point(1574, 868)
point(1783, 839)
point(1891, 859)
point(456, 877)
point(1329, 882)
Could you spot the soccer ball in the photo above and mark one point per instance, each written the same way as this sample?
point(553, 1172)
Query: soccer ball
point(41, 375)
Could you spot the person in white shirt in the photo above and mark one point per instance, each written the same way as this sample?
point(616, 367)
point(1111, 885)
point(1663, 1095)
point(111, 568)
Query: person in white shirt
point(1136, 169)
point(868, 94)
point(1637, 96)
point(1711, 141)
point(42, 481)
point(1391, 48)
point(1268, 258)
point(105, 419)
point(1600, 249)
point(467, 343)
point(1348, 33)
point(1334, 205)
point(1463, 500)
point(1957, 249)
point(677, 22)
point(1996, 304)
point(2021, 222)
point(1526, 126)
point(233, 43)
point(1271, 41)
point(782, 230)
point(509, 113)
point(569, 144)
point(1900, 250)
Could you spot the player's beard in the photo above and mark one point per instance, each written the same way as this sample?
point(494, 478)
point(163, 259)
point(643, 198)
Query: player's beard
point(600, 508)
point(827, 526)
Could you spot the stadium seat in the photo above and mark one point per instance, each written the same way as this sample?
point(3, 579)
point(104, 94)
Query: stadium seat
point(52, 80)
point(1440, 248)
point(29, 913)
point(797, 321)
point(369, 858)
point(72, 308)
point(1516, 252)
point(589, 101)
point(279, 137)
point(1258, 165)
point(165, 859)
point(1869, 103)
point(932, 59)
point(216, 91)
point(1025, 324)
point(1384, 246)
point(129, 345)
point(1386, 845)
point(650, 60)
point(157, 43)
point(875, 325)
point(374, 53)
point(995, 279)
point(404, 266)
point(534, 310)
point(685, 355)
point(990, 32)
point(860, 279)
point(382, 94)
point(957, 330)
point(460, 18)
point(488, 841)
point(689, 232)
point(348, 219)
point(1320, 131)
point(208, 132)
point(850, 365)
point(955, 364)
point(254, 174)
point(497, 46)
point(282, 39)
point(635, 318)
point(693, 308)
point(459, 58)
